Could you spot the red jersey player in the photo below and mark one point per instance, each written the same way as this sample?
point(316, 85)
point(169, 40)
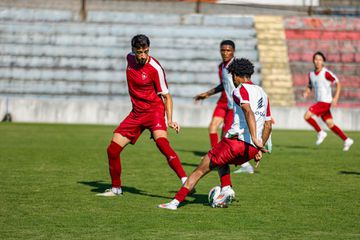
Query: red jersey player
point(321, 80)
point(243, 142)
point(150, 100)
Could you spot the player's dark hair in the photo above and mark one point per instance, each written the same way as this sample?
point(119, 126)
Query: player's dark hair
point(228, 42)
point(241, 67)
point(320, 54)
point(140, 41)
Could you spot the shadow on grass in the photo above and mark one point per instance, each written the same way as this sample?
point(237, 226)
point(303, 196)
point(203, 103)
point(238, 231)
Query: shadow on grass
point(196, 153)
point(294, 147)
point(197, 199)
point(349, 173)
point(100, 186)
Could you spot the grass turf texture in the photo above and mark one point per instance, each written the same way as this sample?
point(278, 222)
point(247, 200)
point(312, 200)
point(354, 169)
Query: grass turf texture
point(51, 173)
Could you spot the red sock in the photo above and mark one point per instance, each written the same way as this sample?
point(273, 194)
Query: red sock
point(314, 124)
point(213, 139)
point(338, 131)
point(113, 152)
point(173, 159)
point(181, 194)
point(224, 173)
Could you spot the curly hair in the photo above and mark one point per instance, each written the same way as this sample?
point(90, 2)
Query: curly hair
point(241, 67)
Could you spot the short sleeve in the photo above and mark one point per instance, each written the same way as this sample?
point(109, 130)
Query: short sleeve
point(268, 112)
point(241, 95)
point(159, 78)
point(331, 77)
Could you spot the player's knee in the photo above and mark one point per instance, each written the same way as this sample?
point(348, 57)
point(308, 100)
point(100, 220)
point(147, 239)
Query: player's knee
point(330, 124)
point(307, 116)
point(113, 150)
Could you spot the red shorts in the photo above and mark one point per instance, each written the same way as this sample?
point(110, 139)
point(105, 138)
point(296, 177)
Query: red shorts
point(231, 151)
point(228, 120)
point(220, 110)
point(135, 123)
point(321, 109)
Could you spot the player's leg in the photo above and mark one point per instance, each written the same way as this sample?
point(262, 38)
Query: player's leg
point(118, 143)
point(199, 172)
point(162, 142)
point(331, 125)
point(127, 132)
point(321, 135)
point(216, 120)
point(213, 127)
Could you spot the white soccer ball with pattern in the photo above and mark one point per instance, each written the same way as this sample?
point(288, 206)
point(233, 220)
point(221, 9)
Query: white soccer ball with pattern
point(214, 193)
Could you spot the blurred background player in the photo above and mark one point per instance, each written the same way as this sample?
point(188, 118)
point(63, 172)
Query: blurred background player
point(223, 112)
point(321, 80)
point(244, 140)
point(150, 99)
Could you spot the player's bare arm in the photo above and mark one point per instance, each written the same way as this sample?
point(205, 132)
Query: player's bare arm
point(266, 131)
point(209, 93)
point(336, 95)
point(169, 110)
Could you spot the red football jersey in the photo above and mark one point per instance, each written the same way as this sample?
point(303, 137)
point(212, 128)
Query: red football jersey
point(146, 84)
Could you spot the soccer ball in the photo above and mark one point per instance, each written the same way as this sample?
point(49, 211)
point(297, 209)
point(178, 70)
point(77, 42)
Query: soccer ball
point(213, 194)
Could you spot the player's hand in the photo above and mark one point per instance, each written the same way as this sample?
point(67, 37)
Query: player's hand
point(305, 94)
point(259, 144)
point(334, 102)
point(200, 97)
point(175, 126)
point(258, 157)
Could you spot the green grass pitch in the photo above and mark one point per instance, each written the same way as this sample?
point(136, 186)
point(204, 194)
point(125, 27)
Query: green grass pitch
point(49, 175)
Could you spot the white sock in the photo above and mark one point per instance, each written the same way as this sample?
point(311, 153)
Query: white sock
point(116, 190)
point(175, 202)
point(225, 188)
point(183, 180)
point(246, 164)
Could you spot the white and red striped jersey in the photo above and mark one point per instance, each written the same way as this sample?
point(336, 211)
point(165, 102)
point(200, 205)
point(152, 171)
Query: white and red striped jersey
point(321, 82)
point(259, 104)
point(146, 83)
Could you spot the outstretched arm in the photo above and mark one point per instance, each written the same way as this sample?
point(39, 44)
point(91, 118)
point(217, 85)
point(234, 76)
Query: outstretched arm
point(209, 93)
point(169, 111)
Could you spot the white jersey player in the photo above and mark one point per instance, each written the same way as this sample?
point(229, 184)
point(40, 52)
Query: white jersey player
point(321, 80)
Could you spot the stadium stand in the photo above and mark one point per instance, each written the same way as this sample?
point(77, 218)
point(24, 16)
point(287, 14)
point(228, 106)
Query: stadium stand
point(339, 39)
point(49, 52)
point(273, 58)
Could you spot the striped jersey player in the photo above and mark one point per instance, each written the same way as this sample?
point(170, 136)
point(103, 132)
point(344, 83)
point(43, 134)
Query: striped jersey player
point(321, 80)
point(244, 141)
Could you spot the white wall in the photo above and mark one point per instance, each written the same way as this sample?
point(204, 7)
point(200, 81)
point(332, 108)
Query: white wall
point(100, 111)
point(273, 2)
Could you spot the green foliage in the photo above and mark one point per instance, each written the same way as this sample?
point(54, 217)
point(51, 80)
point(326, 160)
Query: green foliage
point(49, 175)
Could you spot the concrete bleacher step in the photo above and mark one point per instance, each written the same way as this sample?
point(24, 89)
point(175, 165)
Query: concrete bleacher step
point(51, 50)
point(125, 30)
point(112, 52)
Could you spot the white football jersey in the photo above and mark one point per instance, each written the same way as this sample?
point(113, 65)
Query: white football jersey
point(228, 83)
point(259, 104)
point(321, 82)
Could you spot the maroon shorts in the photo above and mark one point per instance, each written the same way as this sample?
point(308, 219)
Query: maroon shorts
point(321, 109)
point(135, 123)
point(220, 110)
point(231, 151)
